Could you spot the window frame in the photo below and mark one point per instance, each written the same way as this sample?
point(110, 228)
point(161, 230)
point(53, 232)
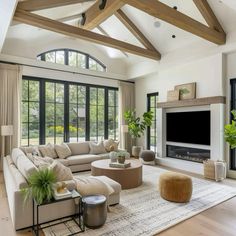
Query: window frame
point(42, 107)
point(42, 57)
point(149, 95)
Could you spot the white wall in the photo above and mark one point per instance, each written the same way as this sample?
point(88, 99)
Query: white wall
point(206, 72)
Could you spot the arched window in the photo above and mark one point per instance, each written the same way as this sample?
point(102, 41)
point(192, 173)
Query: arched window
point(72, 58)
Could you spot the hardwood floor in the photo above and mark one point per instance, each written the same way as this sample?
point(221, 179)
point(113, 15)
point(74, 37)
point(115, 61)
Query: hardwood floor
point(217, 221)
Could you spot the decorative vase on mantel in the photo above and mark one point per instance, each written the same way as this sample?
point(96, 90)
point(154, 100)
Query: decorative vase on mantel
point(136, 151)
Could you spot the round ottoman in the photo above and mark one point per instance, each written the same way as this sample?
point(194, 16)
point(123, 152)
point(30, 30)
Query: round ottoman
point(94, 210)
point(175, 187)
point(147, 155)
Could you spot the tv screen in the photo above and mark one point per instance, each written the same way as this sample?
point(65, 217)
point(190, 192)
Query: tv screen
point(189, 127)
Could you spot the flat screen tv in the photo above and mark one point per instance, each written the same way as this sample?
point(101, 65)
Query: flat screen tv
point(189, 127)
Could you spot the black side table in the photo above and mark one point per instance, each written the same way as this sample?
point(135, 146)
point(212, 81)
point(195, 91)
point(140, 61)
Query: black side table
point(78, 216)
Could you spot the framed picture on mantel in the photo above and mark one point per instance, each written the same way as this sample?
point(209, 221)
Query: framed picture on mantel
point(186, 91)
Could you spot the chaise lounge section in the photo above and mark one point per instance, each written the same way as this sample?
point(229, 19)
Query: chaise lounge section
point(17, 169)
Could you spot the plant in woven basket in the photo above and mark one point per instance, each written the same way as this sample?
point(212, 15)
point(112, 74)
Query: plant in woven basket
point(230, 131)
point(40, 186)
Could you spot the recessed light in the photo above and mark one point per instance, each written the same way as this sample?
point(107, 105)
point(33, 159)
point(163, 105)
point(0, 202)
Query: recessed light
point(157, 24)
point(175, 7)
point(173, 36)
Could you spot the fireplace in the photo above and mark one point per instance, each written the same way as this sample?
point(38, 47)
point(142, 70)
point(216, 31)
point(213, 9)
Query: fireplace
point(186, 153)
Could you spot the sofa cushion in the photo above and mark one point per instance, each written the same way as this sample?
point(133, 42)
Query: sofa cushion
point(104, 156)
point(97, 148)
point(61, 172)
point(65, 162)
point(24, 165)
point(32, 150)
point(40, 162)
point(82, 159)
point(79, 148)
point(48, 151)
point(63, 151)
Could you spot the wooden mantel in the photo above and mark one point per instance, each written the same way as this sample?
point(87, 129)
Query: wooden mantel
point(193, 102)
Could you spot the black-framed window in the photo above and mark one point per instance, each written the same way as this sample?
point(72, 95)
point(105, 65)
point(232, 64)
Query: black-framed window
point(73, 58)
point(57, 111)
point(152, 130)
point(30, 112)
point(233, 107)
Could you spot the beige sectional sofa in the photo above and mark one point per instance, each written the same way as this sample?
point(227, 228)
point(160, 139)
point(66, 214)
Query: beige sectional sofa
point(18, 167)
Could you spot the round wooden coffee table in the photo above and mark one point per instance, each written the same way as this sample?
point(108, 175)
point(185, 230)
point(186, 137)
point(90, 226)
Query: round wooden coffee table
point(130, 177)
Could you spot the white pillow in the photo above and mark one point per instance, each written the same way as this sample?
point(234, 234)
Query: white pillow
point(63, 151)
point(61, 172)
point(40, 162)
point(97, 148)
point(48, 150)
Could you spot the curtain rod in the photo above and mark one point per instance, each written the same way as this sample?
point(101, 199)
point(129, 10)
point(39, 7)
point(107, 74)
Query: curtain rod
point(78, 73)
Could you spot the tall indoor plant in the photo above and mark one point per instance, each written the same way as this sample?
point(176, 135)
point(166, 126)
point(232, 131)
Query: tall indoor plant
point(230, 131)
point(137, 126)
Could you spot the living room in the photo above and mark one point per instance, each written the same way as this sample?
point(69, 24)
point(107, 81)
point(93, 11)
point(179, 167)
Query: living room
point(126, 108)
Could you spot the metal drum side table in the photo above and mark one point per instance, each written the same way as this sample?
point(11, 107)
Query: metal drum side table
point(94, 210)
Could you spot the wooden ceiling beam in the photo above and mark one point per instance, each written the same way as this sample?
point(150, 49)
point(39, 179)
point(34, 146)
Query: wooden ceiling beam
point(36, 5)
point(209, 16)
point(162, 11)
point(99, 12)
point(134, 29)
point(72, 31)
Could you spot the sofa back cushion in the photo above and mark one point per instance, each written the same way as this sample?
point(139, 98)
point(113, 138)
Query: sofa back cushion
point(97, 148)
point(63, 151)
point(23, 164)
point(79, 148)
point(48, 151)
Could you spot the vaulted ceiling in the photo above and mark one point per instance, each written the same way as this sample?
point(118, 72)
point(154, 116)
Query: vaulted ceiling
point(146, 28)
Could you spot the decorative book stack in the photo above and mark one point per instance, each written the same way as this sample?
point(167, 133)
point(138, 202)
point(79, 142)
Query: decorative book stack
point(119, 165)
point(60, 191)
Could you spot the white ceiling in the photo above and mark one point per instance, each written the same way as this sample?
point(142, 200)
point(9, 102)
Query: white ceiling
point(160, 37)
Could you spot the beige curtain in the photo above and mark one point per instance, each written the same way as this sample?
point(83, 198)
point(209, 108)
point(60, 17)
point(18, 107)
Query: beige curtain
point(126, 102)
point(10, 98)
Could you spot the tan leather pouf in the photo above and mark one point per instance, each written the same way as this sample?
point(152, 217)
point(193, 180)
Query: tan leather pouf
point(175, 187)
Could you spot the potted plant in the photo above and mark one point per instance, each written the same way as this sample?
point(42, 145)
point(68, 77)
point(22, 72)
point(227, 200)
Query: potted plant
point(137, 126)
point(230, 131)
point(40, 186)
point(121, 157)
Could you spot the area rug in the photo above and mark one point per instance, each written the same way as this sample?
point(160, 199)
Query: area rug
point(142, 212)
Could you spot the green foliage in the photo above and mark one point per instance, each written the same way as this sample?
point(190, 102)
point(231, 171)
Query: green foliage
point(230, 131)
point(184, 91)
point(136, 125)
point(40, 186)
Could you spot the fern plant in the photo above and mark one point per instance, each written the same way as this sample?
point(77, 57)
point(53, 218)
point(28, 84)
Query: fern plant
point(136, 125)
point(230, 131)
point(40, 186)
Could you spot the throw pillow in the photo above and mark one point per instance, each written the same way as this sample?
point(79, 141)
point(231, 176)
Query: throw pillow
point(40, 162)
point(61, 172)
point(111, 145)
point(63, 151)
point(31, 149)
point(48, 151)
point(97, 148)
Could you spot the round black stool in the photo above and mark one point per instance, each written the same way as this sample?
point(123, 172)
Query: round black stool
point(94, 210)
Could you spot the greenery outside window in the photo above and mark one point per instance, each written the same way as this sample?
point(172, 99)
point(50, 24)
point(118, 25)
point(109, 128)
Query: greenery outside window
point(72, 58)
point(62, 111)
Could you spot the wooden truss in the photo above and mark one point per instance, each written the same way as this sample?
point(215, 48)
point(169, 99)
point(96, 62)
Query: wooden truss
point(103, 9)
